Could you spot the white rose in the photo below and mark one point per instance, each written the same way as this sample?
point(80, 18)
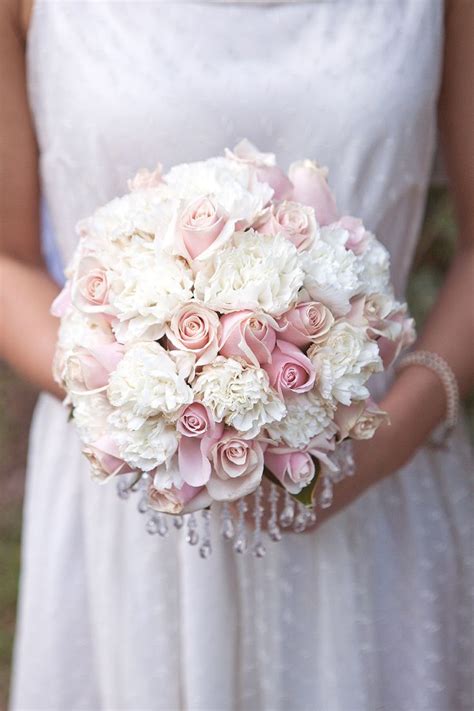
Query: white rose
point(144, 292)
point(253, 271)
point(331, 271)
point(345, 362)
point(239, 394)
point(307, 415)
point(150, 380)
point(374, 268)
point(149, 444)
point(229, 182)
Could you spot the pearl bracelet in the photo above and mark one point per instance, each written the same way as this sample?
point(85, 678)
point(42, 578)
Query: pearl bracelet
point(438, 365)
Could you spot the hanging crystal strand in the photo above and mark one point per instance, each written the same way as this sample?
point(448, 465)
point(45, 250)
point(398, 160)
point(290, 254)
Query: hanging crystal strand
point(227, 528)
point(123, 490)
point(151, 525)
point(288, 512)
point(142, 505)
point(258, 547)
point(325, 498)
point(311, 515)
point(273, 527)
point(162, 525)
point(300, 520)
point(348, 466)
point(240, 545)
point(206, 549)
point(192, 536)
point(178, 521)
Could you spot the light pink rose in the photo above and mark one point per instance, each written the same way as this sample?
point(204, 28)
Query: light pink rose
point(146, 179)
point(295, 221)
point(248, 335)
point(308, 322)
point(104, 459)
point(360, 420)
point(178, 501)
point(266, 171)
point(290, 370)
point(237, 467)
point(203, 224)
point(89, 368)
point(199, 433)
point(90, 287)
point(62, 302)
point(195, 329)
point(311, 188)
point(293, 469)
point(358, 238)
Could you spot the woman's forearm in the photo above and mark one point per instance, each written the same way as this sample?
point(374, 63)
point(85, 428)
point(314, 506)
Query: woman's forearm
point(27, 330)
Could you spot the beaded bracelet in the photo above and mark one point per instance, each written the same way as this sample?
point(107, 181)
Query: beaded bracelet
point(438, 365)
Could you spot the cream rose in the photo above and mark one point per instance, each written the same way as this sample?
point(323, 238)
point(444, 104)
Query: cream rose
point(295, 221)
point(195, 329)
point(237, 467)
point(204, 225)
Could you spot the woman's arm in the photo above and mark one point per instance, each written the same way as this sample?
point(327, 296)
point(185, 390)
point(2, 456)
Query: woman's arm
point(27, 331)
point(416, 402)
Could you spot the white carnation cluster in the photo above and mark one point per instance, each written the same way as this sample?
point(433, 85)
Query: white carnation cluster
point(219, 320)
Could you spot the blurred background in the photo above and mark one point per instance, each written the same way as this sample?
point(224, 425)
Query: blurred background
point(17, 400)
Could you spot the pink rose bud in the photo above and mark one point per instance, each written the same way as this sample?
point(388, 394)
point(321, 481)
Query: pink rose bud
point(195, 329)
point(290, 370)
point(103, 456)
point(237, 467)
point(276, 179)
point(248, 335)
point(201, 223)
point(358, 238)
point(311, 188)
point(145, 179)
point(62, 302)
point(308, 322)
point(90, 287)
point(296, 222)
point(293, 469)
point(199, 433)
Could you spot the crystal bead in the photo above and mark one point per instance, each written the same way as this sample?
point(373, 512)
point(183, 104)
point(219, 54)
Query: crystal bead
point(178, 522)
point(228, 529)
point(151, 526)
point(274, 533)
point(162, 526)
point(205, 550)
point(325, 499)
point(142, 504)
point(240, 545)
point(192, 537)
point(287, 516)
point(122, 489)
point(259, 550)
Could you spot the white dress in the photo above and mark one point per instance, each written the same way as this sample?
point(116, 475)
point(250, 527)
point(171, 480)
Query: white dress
point(373, 611)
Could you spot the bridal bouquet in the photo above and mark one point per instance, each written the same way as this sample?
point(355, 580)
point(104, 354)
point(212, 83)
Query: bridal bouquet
point(218, 326)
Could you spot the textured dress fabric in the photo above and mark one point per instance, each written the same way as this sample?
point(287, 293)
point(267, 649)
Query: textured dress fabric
point(373, 611)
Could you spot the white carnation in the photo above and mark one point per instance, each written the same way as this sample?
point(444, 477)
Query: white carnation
point(229, 182)
point(253, 271)
point(374, 268)
point(238, 394)
point(331, 270)
point(137, 213)
point(144, 292)
point(90, 413)
point(307, 416)
point(150, 380)
point(345, 362)
point(148, 445)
